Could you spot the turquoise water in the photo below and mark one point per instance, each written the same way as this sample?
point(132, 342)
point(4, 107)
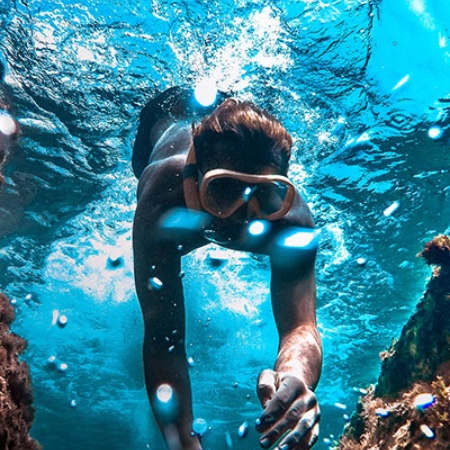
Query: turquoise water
point(358, 84)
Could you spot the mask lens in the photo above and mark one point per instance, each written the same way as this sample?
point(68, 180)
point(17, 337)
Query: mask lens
point(271, 196)
point(226, 194)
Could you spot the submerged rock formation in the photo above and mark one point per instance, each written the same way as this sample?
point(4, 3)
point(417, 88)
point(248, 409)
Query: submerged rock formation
point(409, 408)
point(16, 398)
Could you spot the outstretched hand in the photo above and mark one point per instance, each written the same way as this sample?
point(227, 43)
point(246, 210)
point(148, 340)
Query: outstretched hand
point(290, 410)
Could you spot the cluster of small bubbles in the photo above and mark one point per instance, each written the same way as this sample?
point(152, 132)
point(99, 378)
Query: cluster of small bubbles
point(154, 284)
point(435, 132)
point(199, 427)
point(424, 401)
point(60, 366)
point(243, 429)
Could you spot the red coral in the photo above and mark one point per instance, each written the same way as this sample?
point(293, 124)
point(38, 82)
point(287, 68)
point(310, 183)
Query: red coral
point(16, 398)
point(437, 251)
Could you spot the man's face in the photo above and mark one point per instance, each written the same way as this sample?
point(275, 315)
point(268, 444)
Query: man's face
point(261, 193)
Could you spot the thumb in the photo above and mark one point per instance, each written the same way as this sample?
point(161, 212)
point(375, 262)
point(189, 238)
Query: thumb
point(267, 385)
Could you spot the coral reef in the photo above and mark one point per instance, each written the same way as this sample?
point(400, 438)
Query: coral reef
point(16, 398)
point(417, 366)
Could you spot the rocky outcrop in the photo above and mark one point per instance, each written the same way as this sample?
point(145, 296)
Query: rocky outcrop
point(16, 398)
point(409, 408)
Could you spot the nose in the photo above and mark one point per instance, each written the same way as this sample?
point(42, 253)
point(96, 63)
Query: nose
point(253, 210)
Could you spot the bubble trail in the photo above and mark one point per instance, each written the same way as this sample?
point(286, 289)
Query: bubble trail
point(181, 223)
point(165, 406)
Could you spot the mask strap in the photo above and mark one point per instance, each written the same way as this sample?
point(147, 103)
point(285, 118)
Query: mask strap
point(190, 181)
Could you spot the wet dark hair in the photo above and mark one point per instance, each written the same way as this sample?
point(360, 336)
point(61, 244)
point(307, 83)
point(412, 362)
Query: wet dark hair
point(241, 136)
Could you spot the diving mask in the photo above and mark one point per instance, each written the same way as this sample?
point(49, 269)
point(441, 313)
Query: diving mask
point(222, 192)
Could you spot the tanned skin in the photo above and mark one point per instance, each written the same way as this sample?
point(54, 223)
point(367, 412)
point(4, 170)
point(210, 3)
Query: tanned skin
point(286, 392)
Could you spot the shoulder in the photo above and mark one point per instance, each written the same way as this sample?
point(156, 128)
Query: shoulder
point(299, 215)
point(160, 187)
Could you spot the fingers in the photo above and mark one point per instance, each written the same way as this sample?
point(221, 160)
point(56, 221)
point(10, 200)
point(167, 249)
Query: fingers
point(291, 414)
point(267, 386)
point(289, 396)
point(304, 435)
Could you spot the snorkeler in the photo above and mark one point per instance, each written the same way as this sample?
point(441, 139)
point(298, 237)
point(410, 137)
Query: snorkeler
point(9, 128)
point(232, 168)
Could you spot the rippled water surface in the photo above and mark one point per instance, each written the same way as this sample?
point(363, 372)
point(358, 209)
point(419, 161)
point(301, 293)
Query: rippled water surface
point(359, 84)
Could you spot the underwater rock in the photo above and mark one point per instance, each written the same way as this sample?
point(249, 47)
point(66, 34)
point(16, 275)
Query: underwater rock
point(416, 368)
point(16, 398)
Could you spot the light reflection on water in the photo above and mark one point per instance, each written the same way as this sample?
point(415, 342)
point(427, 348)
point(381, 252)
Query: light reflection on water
point(359, 104)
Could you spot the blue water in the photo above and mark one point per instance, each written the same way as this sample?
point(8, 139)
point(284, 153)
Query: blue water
point(358, 84)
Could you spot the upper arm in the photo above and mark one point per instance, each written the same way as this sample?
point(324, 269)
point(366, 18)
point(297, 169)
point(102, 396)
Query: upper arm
point(157, 262)
point(293, 285)
point(294, 296)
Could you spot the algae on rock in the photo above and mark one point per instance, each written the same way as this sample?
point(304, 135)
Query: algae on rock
point(388, 417)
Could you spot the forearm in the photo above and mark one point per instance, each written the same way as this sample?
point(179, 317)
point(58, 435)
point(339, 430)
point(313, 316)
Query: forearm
point(170, 367)
point(300, 354)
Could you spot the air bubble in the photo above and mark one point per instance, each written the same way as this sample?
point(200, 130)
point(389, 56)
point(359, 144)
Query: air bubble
point(155, 284)
point(62, 321)
point(8, 125)
point(361, 261)
point(199, 427)
point(62, 367)
point(115, 258)
point(206, 92)
point(424, 401)
point(427, 431)
point(243, 429)
point(391, 209)
point(381, 412)
point(435, 132)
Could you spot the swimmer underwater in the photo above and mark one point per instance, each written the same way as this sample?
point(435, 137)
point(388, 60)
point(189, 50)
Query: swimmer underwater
point(233, 167)
point(9, 129)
